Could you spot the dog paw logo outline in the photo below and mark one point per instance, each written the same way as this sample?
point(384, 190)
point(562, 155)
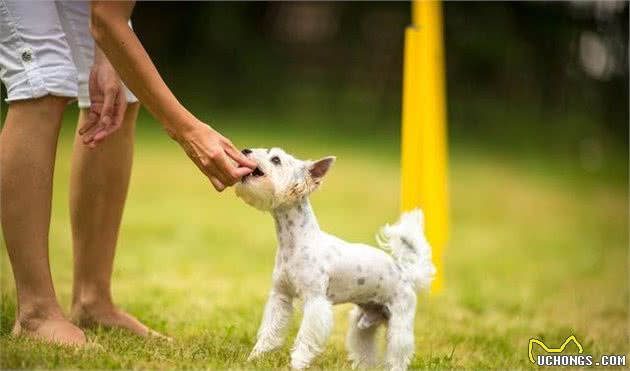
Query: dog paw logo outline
point(533, 341)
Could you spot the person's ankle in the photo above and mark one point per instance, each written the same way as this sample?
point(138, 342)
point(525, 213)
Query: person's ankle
point(32, 314)
point(92, 301)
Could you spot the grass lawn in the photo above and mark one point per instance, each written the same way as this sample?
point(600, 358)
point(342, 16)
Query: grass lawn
point(534, 252)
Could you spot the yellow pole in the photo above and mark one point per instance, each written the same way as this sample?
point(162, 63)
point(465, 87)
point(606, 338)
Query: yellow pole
point(424, 151)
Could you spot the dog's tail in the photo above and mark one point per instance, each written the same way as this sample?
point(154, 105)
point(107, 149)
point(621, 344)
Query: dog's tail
point(409, 247)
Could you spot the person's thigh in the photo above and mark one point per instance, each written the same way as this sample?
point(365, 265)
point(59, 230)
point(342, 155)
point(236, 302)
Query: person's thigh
point(35, 57)
point(75, 18)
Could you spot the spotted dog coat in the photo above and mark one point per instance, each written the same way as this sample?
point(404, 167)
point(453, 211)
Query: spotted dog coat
point(324, 270)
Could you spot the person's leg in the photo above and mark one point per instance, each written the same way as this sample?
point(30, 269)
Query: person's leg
point(98, 189)
point(28, 143)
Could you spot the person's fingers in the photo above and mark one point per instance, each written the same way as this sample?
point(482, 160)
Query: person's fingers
point(217, 184)
point(90, 120)
point(100, 135)
point(103, 133)
point(89, 133)
point(96, 106)
point(227, 169)
point(105, 121)
point(93, 83)
point(225, 179)
point(237, 156)
point(117, 119)
point(88, 136)
point(208, 167)
point(107, 113)
point(242, 171)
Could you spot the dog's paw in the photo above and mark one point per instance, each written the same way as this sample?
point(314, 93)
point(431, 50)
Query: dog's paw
point(253, 356)
point(298, 364)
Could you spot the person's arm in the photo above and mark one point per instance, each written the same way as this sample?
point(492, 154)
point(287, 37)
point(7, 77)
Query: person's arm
point(210, 151)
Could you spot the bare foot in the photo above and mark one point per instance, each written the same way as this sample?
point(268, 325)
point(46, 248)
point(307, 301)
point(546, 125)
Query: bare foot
point(55, 330)
point(88, 316)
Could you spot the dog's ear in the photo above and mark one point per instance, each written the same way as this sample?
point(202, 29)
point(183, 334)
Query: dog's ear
point(318, 169)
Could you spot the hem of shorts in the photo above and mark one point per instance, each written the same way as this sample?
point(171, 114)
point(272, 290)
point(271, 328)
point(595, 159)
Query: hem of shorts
point(52, 92)
point(84, 101)
point(58, 83)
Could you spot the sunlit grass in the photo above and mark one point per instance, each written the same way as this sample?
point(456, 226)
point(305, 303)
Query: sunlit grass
point(532, 254)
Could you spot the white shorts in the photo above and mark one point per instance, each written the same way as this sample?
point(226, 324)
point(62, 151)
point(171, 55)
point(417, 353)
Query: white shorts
point(46, 49)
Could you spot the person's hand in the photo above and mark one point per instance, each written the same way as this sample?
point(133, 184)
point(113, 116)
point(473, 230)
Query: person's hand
point(215, 156)
point(107, 104)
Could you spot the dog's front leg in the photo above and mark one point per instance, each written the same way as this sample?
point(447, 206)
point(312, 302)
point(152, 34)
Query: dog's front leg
point(276, 319)
point(314, 331)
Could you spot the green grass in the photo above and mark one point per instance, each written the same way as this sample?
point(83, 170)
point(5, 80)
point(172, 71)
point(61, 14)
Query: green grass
point(534, 252)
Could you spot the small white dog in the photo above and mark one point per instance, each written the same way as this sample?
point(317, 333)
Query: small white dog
point(324, 270)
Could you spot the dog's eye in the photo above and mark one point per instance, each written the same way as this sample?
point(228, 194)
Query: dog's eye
point(275, 160)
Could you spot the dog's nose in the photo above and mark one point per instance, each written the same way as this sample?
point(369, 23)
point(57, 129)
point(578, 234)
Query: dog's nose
point(246, 151)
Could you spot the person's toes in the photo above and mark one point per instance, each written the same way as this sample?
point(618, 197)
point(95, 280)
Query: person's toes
point(156, 335)
point(63, 332)
point(113, 318)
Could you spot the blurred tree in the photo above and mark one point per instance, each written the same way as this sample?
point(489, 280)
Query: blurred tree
point(513, 68)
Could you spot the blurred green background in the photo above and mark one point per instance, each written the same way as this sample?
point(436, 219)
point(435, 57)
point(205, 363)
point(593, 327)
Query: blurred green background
point(538, 146)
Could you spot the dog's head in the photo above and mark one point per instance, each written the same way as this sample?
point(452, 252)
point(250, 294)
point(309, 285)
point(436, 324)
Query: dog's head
point(280, 180)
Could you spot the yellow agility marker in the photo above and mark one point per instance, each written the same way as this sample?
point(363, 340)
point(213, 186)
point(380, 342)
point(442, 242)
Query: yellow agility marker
point(424, 151)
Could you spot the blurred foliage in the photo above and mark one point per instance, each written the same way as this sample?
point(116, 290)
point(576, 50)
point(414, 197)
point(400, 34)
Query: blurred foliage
point(532, 80)
point(531, 74)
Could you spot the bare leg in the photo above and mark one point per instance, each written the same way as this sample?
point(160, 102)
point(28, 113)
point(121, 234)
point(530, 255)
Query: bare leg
point(98, 190)
point(27, 157)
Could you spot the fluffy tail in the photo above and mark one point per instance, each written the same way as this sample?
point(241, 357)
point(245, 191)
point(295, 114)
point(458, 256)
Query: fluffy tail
point(410, 248)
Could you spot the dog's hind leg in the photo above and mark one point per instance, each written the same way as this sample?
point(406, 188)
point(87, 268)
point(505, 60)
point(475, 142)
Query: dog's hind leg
point(276, 319)
point(361, 341)
point(314, 331)
point(400, 339)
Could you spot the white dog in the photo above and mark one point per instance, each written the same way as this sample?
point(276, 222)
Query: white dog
point(324, 270)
